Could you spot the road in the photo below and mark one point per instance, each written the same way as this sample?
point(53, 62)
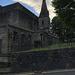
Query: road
point(59, 73)
point(46, 73)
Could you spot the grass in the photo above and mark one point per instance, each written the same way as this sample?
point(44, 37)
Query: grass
point(62, 45)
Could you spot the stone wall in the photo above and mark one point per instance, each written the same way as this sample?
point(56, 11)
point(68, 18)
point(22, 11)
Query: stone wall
point(3, 46)
point(3, 40)
point(19, 39)
point(54, 59)
point(17, 15)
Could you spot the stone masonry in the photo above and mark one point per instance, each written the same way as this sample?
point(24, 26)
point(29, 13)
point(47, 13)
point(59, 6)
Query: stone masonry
point(21, 30)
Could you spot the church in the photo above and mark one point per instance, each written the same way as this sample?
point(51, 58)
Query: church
point(21, 30)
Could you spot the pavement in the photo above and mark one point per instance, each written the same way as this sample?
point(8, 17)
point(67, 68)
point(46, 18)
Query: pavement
point(60, 72)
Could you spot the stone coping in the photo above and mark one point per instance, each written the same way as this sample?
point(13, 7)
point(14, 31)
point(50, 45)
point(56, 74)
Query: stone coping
point(43, 50)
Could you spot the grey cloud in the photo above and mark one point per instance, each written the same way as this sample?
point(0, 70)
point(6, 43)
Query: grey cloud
point(36, 5)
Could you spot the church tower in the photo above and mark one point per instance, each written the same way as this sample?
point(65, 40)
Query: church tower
point(44, 20)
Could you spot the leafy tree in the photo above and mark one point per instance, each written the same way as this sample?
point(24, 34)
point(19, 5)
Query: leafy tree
point(65, 9)
point(58, 27)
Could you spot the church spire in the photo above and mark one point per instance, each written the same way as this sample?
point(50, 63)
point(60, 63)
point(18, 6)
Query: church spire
point(44, 11)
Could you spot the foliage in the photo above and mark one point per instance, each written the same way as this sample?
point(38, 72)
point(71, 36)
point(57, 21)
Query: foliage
point(65, 10)
point(58, 27)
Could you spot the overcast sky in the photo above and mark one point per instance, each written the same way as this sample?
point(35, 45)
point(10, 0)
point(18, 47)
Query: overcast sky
point(32, 5)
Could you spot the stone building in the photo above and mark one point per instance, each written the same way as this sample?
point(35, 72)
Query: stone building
point(22, 30)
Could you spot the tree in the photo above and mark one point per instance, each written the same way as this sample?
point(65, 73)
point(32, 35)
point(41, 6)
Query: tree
point(66, 11)
point(58, 27)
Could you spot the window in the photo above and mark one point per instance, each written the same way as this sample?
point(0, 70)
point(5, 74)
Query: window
point(0, 45)
point(42, 22)
point(30, 23)
point(15, 37)
point(23, 39)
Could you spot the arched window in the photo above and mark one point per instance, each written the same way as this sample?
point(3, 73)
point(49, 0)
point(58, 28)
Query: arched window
point(23, 39)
